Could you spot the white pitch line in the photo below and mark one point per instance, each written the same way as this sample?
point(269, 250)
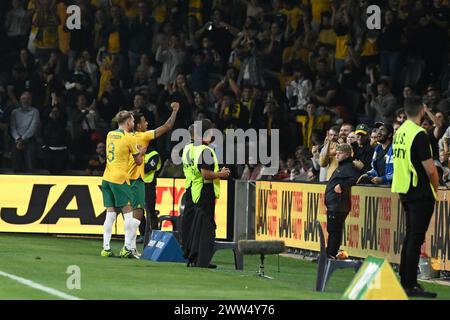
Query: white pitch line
point(38, 286)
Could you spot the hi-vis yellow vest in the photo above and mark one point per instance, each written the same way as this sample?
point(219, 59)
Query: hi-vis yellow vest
point(198, 181)
point(403, 167)
point(149, 176)
point(188, 165)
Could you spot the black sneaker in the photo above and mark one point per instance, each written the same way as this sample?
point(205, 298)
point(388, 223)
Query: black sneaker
point(212, 266)
point(419, 292)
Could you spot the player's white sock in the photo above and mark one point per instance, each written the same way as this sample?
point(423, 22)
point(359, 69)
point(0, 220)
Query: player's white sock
point(136, 224)
point(128, 226)
point(107, 228)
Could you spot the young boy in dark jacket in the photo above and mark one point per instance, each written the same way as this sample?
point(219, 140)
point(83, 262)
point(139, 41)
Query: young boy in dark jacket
point(337, 197)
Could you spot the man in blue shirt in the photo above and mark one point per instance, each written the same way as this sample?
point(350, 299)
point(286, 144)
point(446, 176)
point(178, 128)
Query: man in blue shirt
point(382, 160)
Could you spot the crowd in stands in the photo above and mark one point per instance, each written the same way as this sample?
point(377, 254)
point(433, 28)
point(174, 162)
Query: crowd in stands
point(310, 68)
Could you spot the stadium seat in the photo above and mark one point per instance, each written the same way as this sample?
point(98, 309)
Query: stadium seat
point(327, 266)
point(238, 257)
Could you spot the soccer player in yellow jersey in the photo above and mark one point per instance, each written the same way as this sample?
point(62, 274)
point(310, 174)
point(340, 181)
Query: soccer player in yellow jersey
point(136, 171)
point(116, 187)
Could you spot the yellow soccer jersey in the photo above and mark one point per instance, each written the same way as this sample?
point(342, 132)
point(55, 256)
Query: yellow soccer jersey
point(120, 146)
point(142, 139)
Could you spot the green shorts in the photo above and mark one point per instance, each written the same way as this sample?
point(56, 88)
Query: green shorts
point(138, 192)
point(116, 195)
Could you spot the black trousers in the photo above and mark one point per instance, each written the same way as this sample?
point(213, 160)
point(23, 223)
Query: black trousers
point(335, 227)
point(200, 244)
point(187, 218)
point(418, 215)
point(150, 221)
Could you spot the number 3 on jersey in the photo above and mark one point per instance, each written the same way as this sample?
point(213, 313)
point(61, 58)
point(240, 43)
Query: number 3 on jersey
point(111, 149)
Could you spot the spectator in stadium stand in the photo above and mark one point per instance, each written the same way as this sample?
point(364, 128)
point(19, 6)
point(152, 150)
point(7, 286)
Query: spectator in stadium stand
point(395, 126)
point(283, 173)
point(408, 91)
point(141, 31)
point(171, 56)
point(364, 151)
point(432, 98)
point(25, 122)
point(220, 32)
point(199, 73)
point(327, 158)
point(232, 114)
point(337, 198)
point(373, 138)
point(382, 161)
point(181, 92)
point(435, 129)
point(298, 92)
point(115, 37)
point(17, 25)
point(78, 82)
point(45, 21)
point(148, 110)
point(5, 114)
point(252, 170)
point(390, 46)
point(400, 115)
point(309, 122)
point(84, 123)
point(351, 138)
point(55, 136)
point(111, 101)
point(382, 107)
point(344, 131)
point(443, 167)
point(200, 106)
point(16, 84)
point(416, 180)
point(96, 166)
point(304, 165)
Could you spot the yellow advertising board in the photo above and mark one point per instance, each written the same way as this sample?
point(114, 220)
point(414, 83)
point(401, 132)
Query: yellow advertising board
point(74, 205)
point(375, 225)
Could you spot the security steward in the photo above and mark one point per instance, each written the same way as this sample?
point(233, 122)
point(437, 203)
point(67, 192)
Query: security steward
point(416, 180)
point(188, 170)
point(152, 165)
point(205, 189)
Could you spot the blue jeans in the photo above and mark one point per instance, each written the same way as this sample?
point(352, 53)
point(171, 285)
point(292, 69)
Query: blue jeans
point(390, 64)
point(339, 65)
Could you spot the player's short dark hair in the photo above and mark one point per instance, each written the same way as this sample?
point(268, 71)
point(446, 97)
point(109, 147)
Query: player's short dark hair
point(123, 116)
point(413, 105)
point(137, 116)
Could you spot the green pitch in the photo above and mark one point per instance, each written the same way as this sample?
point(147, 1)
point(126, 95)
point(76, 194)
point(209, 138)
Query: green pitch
point(45, 259)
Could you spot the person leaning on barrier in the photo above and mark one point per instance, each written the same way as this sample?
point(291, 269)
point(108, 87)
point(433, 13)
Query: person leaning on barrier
point(382, 160)
point(337, 197)
point(205, 190)
point(363, 151)
point(416, 180)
